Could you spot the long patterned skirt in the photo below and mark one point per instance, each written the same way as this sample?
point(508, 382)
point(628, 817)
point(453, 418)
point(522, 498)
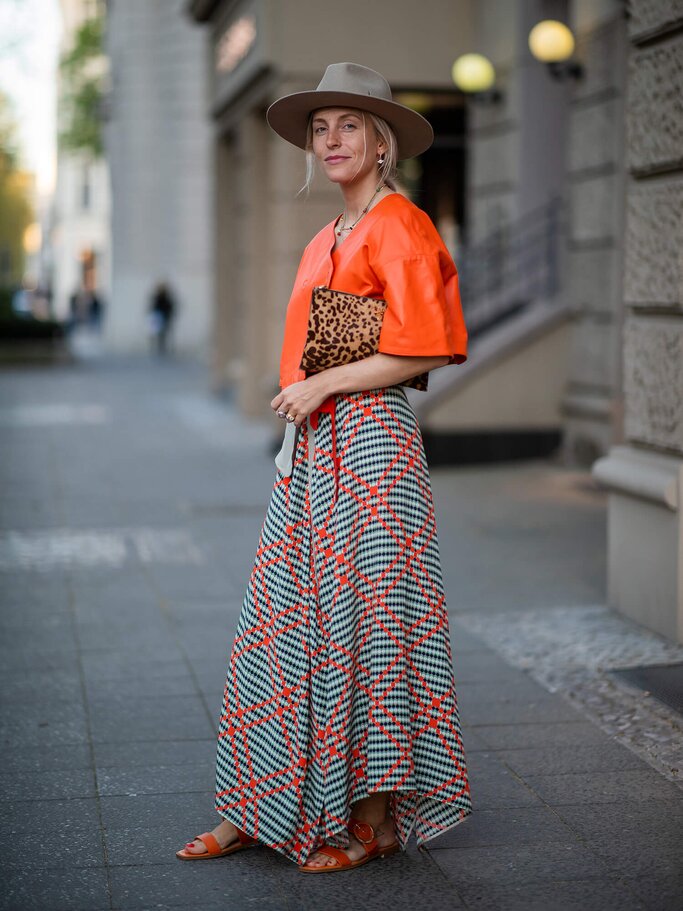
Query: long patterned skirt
point(340, 679)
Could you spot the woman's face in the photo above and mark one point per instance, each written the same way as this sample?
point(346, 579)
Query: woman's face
point(345, 144)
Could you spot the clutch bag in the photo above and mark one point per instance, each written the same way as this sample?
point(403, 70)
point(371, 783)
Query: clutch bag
point(343, 328)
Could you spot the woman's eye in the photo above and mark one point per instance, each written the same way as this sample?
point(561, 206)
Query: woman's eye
point(351, 125)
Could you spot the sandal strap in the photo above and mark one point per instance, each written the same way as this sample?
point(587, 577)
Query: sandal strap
point(340, 856)
point(364, 833)
point(244, 838)
point(212, 846)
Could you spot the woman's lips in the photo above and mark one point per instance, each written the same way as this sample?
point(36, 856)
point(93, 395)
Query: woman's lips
point(333, 159)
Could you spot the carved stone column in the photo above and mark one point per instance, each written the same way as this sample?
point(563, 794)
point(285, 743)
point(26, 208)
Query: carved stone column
point(645, 476)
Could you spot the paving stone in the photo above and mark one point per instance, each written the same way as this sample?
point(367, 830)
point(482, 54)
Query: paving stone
point(549, 895)
point(39, 724)
point(49, 758)
point(630, 822)
point(532, 736)
point(411, 879)
point(493, 786)
point(155, 752)
point(112, 664)
point(659, 892)
point(604, 787)
point(521, 825)
point(133, 825)
point(173, 779)
point(27, 659)
point(48, 784)
point(61, 684)
point(513, 708)
point(607, 757)
point(55, 889)
point(654, 854)
point(145, 718)
point(51, 833)
point(484, 667)
point(236, 882)
point(180, 684)
point(493, 866)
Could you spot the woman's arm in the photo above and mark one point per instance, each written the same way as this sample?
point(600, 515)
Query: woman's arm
point(374, 372)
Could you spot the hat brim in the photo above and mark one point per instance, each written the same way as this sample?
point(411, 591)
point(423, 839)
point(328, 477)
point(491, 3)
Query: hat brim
point(288, 116)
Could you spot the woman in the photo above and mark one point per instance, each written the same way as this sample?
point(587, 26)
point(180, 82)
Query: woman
point(339, 732)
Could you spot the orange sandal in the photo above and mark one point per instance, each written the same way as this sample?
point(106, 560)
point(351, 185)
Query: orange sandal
point(213, 849)
point(365, 834)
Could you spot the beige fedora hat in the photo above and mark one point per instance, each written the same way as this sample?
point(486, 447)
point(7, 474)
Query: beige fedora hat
point(354, 86)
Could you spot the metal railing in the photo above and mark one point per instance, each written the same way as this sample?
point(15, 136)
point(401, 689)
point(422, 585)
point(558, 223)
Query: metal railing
point(513, 267)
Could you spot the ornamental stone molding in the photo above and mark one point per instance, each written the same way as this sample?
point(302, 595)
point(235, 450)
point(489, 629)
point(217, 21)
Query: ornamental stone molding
point(653, 268)
point(653, 382)
point(648, 18)
point(655, 108)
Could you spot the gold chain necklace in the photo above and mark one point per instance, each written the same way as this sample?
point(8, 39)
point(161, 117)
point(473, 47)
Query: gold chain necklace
point(351, 227)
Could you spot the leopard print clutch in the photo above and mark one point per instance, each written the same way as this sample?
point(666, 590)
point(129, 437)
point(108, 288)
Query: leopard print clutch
point(343, 328)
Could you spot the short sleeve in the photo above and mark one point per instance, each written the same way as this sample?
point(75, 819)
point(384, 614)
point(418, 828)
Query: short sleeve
point(424, 313)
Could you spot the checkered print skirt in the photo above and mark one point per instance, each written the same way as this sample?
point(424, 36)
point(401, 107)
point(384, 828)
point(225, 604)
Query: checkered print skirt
point(340, 679)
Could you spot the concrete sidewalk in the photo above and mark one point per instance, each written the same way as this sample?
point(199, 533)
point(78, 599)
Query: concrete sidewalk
point(131, 506)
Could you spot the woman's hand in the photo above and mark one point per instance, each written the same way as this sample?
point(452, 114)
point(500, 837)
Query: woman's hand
point(300, 399)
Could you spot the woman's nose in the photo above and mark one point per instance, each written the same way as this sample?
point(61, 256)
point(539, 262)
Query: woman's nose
point(332, 138)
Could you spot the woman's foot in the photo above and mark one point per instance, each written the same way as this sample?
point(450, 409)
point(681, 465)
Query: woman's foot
point(225, 834)
point(384, 833)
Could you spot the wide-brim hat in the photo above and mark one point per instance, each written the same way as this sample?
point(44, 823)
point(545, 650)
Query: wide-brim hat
point(354, 86)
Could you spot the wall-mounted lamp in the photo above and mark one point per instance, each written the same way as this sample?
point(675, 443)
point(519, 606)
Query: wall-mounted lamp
point(552, 43)
point(474, 74)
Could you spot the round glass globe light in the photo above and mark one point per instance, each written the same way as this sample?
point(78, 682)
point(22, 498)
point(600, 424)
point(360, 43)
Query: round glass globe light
point(473, 73)
point(551, 41)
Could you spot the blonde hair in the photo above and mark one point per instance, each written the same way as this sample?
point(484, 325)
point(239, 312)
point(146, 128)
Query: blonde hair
point(386, 172)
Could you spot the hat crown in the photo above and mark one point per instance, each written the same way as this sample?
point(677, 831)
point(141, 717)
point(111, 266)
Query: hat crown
point(354, 79)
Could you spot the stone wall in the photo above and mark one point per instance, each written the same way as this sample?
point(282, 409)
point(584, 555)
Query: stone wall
point(645, 476)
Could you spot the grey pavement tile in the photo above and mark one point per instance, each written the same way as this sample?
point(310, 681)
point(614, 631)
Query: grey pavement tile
point(411, 879)
point(571, 895)
point(51, 833)
point(149, 717)
point(630, 820)
point(132, 662)
point(518, 706)
point(493, 786)
point(172, 779)
point(484, 667)
point(46, 785)
point(27, 659)
point(154, 752)
point(236, 882)
point(60, 684)
point(557, 760)
point(152, 827)
point(190, 582)
point(463, 641)
point(55, 889)
point(36, 723)
point(654, 854)
point(178, 684)
point(518, 826)
point(659, 892)
point(604, 787)
point(499, 864)
point(20, 588)
point(53, 758)
point(152, 634)
point(38, 636)
point(546, 734)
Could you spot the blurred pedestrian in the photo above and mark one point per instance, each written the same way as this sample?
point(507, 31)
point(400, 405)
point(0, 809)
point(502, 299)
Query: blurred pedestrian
point(339, 732)
point(162, 311)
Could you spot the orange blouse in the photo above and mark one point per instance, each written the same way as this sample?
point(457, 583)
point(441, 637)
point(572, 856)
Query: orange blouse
point(396, 254)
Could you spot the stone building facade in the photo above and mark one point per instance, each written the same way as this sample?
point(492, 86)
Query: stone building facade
point(645, 474)
point(159, 152)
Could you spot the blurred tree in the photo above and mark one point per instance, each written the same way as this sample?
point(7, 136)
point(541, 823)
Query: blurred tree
point(82, 70)
point(15, 207)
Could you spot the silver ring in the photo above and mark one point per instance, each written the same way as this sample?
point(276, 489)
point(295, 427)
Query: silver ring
point(290, 418)
point(282, 414)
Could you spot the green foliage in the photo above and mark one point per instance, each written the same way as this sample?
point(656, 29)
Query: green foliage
point(81, 72)
point(15, 206)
